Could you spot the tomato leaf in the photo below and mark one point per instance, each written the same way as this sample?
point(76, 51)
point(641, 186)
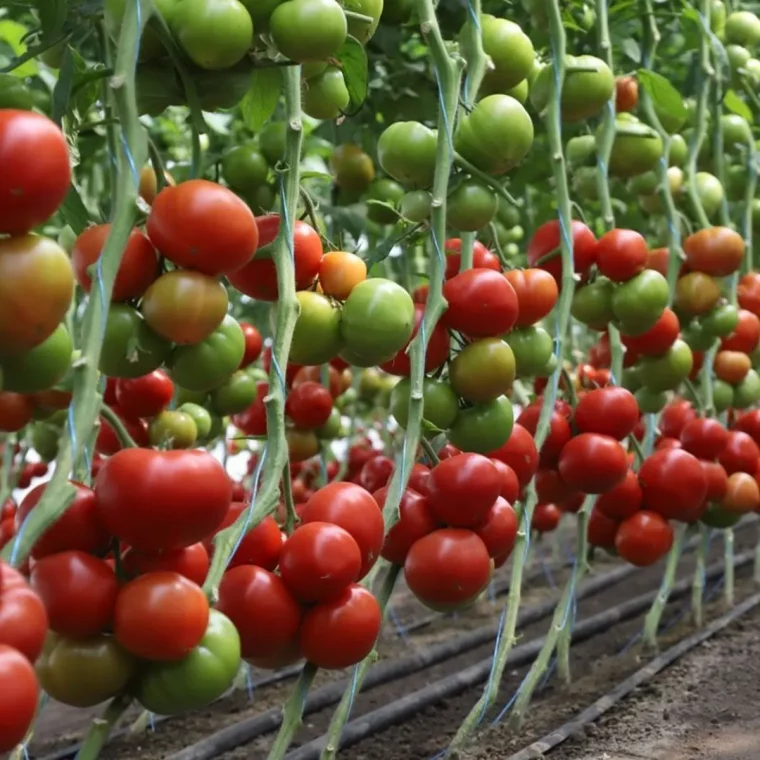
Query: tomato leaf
point(736, 105)
point(631, 49)
point(665, 98)
point(12, 33)
point(262, 97)
point(353, 61)
point(74, 212)
point(62, 89)
point(52, 15)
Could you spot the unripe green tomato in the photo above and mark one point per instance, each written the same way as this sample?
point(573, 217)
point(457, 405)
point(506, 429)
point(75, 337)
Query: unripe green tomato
point(510, 50)
point(471, 206)
point(440, 404)
point(185, 396)
point(631, 379)
point(532, 348)
point(45, 440)
point(737, 134)
point(507, 214)
point(352, 167)
point(668, 371)
point(639, 302)
point(317, 337)
point(260, 11)
point(235, 394)
point(710, 193)
point(14, 93)
point(484, 427)
point(637, 148)
point(200, 417)
point(325, 96)
point(272, 141)
point(493, 234)
point(483, 370)
point(388, 191)
point(396, 12)
point(586, 183)
point(369, 384)
point(581, 151)
point(644, 184)
point(752, 72)
point(651, 402)
point(407, 152)
point(359, 29)
point(308, 30)
point(519, 92)
point(173, 430)
point(743, 28)
point(511, 250)
point(41, 367)
point(747, 392)
point(331, 428)
point(415, 205)
point(515, 234)
point(218, 427)
point(718, 18)
point(592, 303)
point(679, 151)
point(721, 321)
point(151, 46)
point(695, 335)
point(261, 200)
point(723, 395)
point(549, 368)
point(244, 168)
point(737, 58)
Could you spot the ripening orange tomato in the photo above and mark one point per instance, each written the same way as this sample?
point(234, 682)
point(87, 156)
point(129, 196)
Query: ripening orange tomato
point(340, 272)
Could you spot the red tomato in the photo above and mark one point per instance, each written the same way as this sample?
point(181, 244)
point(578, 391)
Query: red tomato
point(376, 472)
point(623, 500)
point(746, 336)
point(355, 510)
point(437, 350)
point(260, 546)
point(609, 411)
point(481, 303)
point(593, 463)
point(644, 538)
point(203, 226)
point(601, 530)
point(658, 338)
point(550, 488)
point(36, 170)
point(741, 453)
point(419, 478)
point(510, 485)
point(253, 421)
point(160, 616)
point(342, 631)
point(309, 405)
point(258, 278)
point(673, 484)
point(415, 520)
point(716, 479)
point(546, 241)
point(319, 560)
point(536, 292)
point(559, 432)
point(23, 620)
point(19, 692)
point(161, 500)
point(520, 453)
point(447, 451)
point(139, 265)
point(145, 396)
point(749, 422)
point(107, 442)
point(674, 417)
point(448, 568)
point(748, 292)
point(79, 593)
point(335, 384)
point(253, 344)
point(192, 562)
point(482, 258)
point(545, 518)
point(621, 254)
point(499, 531)
point(463, 490)
point(706, 438)
point(79, 527)
point(267, 616)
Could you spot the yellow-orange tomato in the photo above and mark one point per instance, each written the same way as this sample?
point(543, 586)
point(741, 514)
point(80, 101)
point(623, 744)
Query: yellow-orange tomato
point(302, 444)
point(626, 94)
point(732, 366)
point(717, 251)
point(742, 494)
point(697, 293)
point(149, 183)
point(340, 272)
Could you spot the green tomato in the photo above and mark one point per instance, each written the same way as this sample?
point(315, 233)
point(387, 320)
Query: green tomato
point(586, 183)
point(171, 688)
point(737, 58)
point(494, 234)
point(471, 206)
point(173, 430)
point(440, 405)
point(752, 72)
point(519, 92)
point(396, 12)
point(389, 192)
point(244, 168)
point(235, 394)
point(332, 428)
point(532, 347)
point(644, 184)
point(317, 336)
point(510, 50)
point(581, 151)
point(723, 395)
point(205, 365)
point(416, 205)
point(718, 18)
point(272, 141)
point(407, 152)
point(377, 321)
point(218, 427)
point(483, 370)
point(743, 28)
point(359, 29)
point(638, 303)
point(737, 134)
point(215, 34)
point(507, 214)
point(697, 337)
point(200, 417)
point(721, 321)
point(260, 12)
point(41, 367)
point(679, 151)
point(46, 440)
point(710, 193)
point(14, 93)
point(588, 86)
point(261, 200)
point(326, 96)
point(592, 303)
point(717, 517)
point(151, 46)
point(668, 371)
point(130, 348)
point(651, 402)
point(671, 122)
point(496, 135)
point(637, 148)
point(185, 396)
point(84, 672)
point(631, 379)
point(483, 428)
point(308, 30)
point(747, 392)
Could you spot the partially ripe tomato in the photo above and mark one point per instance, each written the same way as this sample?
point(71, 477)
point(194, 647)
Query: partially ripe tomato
point(742, 494)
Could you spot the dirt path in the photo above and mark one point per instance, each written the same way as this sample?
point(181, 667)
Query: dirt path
point(704, 707)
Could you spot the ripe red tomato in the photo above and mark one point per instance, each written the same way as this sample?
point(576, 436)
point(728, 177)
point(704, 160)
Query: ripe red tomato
point(145, 396)
point(716, 479)
point(160, 616)
point(341, 631)
point(258, 278)
point(536, 292)
point(309, 405)
point(499, 531)
point(749, 422)
point(481, 303)
point(550, 488)
point(161, 500)
point(545, 518)
point(520, 453)
point(673, 484)
point(622, 500)
point(510, 485)
point(79, 527)
point(741, 453)
point(319, 560)
point(610, 411)
point(704, 437)
point(259, 546)
point(19, 692)
point(601, 529)
point(448, 568)
point(23, 620)
point(437, 350)
point(375, 473)
point(415, 520)
point(644, 538)
point(253, 344)
point(657, 339)
point(746, 336)
point(621, 254)
point(139, 265)
point(78, 591)
point(463, 490)
point(419, 479)
point(482, 258)
point(559, 432)
point(674, 417)
point(253, 421)
point(203, 226)
point(546, 241)
point(192, 562)
point(36, 170)
point(354, 509)
point(593, 463)
point(267, 616)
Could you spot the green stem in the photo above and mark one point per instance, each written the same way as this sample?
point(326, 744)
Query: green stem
point(427, 447)
point(472, 49)
point(756, 574)
point(293, 709)
point(287, 314)
point(698, 584)
point(8, 442)
point(353, 16)
point(86, 400)
point(748, 263)
point(616, 353)
point(113, 419)
point(486, 179)
point(100, 728)
point(468, 247)
point(728, 560)
point(287, 496)
point(706, 380)
point(717, 135)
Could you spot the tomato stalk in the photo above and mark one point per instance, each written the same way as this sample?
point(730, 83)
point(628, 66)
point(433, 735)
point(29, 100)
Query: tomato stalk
point(101, 727)
point(86, 400)
point(608, 126)
point(698, 584)
point(276, 451)
point(468, 248)
point(293, 711)
point(728, 562)
point(472, 49)
point(113, 419)
point(748, 263)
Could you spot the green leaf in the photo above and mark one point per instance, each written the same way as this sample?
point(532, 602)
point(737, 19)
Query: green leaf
point(74, 212)
point(736, 105)
point(85, 83)
point(52, 15)
point(12, 33)
point(665, 98)
point(260, 101)
point(631, 49)
point(62, 89)
point(353, 61)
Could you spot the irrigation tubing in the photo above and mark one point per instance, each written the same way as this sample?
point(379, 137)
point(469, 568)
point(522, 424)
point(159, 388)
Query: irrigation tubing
point(608, 701)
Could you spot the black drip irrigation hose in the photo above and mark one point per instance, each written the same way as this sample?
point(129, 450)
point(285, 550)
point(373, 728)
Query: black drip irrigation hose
point(608, 701)
point(400, 710)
